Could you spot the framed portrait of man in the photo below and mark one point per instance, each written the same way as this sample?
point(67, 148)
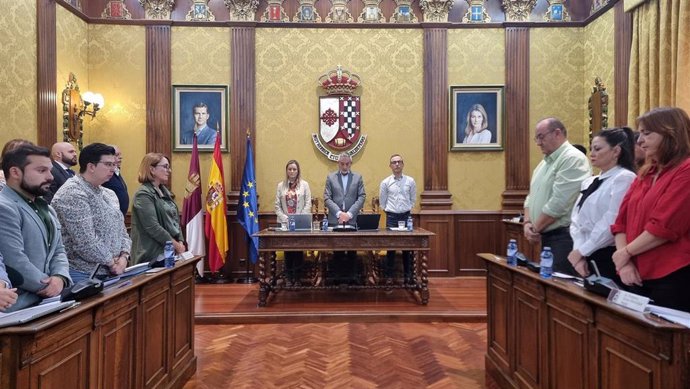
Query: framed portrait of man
point(477, 117)
point(201, 110)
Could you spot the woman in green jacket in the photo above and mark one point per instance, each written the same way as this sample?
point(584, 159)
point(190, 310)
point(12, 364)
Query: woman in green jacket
point(155, 217)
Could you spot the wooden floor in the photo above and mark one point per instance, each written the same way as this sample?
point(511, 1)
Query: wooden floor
point(451, 300)
point(349, 339)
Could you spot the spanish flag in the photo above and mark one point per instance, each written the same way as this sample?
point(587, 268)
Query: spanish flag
point(216, 222)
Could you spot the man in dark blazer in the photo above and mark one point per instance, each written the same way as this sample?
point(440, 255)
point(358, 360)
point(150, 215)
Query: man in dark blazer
point(64, 157)
point(344, 197)
point(30, 233)
point(117, 184)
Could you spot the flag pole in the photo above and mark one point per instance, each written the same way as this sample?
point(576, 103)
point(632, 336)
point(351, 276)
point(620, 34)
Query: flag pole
point(220, 277)
point(248, 275)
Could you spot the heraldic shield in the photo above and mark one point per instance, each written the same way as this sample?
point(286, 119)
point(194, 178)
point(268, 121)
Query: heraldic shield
point(339, 121)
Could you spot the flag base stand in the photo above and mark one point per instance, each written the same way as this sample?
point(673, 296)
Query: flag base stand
point(248, 275)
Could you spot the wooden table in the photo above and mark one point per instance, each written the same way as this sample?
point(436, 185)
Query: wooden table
point(371, 242)
point(554, 334)
point(138, 335)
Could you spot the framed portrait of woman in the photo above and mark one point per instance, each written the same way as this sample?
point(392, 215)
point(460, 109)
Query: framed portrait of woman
point(476, 117)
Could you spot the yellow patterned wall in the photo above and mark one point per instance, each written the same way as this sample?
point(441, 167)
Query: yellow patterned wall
point(117, 70)
point(599, 59)
point(200, 56)
point(557, 59)
point(476, 178)
point(289, 63)
point(72, 53)
point(18, 70)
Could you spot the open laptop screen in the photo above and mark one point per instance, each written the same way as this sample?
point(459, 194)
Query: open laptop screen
point(368, 221)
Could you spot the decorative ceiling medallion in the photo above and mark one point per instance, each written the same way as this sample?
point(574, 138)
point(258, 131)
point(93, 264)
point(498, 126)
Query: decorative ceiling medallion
point(371, 12)
point(339, 12)
point(242, 10)
point(476, 13)
point(403, 12)
point(275, 12)
point(116, 9)
point(157, 9)
point(200, 12)
point(518, 10)
point(436, 10)
point(306, 12)
point(339, 115)
point(557, 12)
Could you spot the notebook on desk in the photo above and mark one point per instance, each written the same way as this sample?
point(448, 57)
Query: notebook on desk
point(368, 221)
point(28, 314)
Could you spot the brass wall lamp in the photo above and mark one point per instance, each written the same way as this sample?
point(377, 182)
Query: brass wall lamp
point(74, 107)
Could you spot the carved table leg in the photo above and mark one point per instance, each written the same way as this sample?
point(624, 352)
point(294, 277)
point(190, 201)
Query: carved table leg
point(264, 287)
point(425, 279)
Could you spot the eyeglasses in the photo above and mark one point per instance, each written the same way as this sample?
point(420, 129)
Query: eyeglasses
point(397, 162)
point(166, 167)
point(540, 137)
point(109, 165)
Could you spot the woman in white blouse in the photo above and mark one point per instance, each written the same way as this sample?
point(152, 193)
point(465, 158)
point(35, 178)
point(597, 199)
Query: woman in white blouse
point(292, 196)
point(477, 129)
point(612, 152)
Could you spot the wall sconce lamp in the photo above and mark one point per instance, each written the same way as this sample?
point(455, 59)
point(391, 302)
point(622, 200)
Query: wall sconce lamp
point(93, 100)
point(74, 107)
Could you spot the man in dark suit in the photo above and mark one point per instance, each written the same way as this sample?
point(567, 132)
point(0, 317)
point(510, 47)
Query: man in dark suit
point(30, 237)
point(344, 197)
point(117, 184)
point(64, 157)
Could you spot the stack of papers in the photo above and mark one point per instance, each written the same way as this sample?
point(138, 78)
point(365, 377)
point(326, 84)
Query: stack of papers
point(672, 315)
point(28, 314)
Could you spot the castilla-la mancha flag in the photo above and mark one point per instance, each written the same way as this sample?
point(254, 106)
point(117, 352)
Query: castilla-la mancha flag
point(192, 215)
point(216, 222)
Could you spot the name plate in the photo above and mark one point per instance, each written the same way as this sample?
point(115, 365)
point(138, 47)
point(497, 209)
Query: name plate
point(187, 255)
point(628, 300)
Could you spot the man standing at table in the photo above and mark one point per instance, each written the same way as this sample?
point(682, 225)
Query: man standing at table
point(553, 190)
point(397, 195)
point(30, 239)
point(344, 197)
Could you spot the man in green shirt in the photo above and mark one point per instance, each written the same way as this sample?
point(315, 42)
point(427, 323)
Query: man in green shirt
point(554, 187)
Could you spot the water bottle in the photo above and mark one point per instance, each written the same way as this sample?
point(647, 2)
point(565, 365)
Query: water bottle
point(291, 223)
point(511, 256)
point(169, 254)
point(410, 223)
point(324, 223)
point(546, 264)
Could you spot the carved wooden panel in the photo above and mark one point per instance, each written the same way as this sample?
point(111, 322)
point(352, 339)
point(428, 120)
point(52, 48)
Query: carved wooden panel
point(155, 312)
point(67, 367)
point(46, 73)
point(517, 117)
point(182, 330)
point(117, 351)
point(529, 319)
point(499, 292)
point(621, 68)
point(475, 232)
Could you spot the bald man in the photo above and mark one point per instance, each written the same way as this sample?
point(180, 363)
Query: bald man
point(64, 156)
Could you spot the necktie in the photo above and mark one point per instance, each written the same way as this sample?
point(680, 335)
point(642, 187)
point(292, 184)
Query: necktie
point(590, 189)
point(70, 172)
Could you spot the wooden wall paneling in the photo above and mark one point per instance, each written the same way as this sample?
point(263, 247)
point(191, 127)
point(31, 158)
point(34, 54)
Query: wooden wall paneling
point(529, 314)
point(475, 232)
point(117, 342)
point(440, 258)
point(435, 194)
point(182, 331)
point(621, 69)
point(158, 89)
point(242, 118)
point(499, 308)
point(46, 73)
point(517, 118)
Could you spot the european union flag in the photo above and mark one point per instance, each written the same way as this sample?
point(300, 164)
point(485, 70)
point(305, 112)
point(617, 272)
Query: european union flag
point(247, 212)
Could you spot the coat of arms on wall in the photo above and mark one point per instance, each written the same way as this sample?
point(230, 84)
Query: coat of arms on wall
point(476, 13)
point(339, 115)
point(557, 12)
point(200, 12)
point(339, 12)
point(403, 12)
point(306, 12)
point(115, 9)
point(371, 12)
point(275, 12)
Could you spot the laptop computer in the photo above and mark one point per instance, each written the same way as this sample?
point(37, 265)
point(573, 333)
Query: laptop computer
point(28, 314)
point(368, 221)
point(302, 221)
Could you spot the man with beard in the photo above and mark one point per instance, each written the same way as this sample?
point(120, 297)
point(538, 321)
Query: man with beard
point(64, 157)
point(30, 239)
